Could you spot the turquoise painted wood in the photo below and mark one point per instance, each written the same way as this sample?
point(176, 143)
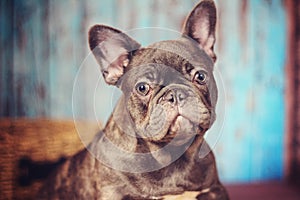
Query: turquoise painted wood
point(43, 47)
point(252, 57)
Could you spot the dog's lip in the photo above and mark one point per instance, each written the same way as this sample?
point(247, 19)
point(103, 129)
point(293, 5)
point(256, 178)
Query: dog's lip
point(174, 134)
point(174, 127)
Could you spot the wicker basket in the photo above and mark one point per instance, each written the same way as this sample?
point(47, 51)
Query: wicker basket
point(34, 142)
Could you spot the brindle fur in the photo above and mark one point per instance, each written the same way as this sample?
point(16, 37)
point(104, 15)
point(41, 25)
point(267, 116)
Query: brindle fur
point(190, 176)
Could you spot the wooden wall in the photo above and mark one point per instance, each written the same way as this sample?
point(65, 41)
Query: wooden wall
point(292, 153)
point(43, 45)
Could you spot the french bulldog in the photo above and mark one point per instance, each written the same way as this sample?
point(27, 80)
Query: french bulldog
point(150, 147)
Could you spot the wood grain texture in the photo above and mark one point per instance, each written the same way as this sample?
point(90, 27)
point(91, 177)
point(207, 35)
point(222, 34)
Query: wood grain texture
point(292, 137)
point(263, 191)
point(29, 147)
point(252, 53)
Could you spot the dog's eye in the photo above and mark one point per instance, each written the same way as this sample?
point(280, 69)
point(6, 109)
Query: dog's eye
point(142, 88)
point(200, 77)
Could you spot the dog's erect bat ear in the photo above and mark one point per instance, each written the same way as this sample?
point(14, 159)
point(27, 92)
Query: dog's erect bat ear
point(111, 49)
point(201, 24)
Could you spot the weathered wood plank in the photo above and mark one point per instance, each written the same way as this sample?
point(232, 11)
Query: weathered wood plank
point(252, 65)
point(7, 99)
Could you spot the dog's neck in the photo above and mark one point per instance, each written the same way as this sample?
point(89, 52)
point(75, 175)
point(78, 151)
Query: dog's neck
point(131, 143)
point(123, 140)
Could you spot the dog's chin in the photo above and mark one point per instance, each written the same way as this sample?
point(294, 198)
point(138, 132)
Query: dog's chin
point(182, 131)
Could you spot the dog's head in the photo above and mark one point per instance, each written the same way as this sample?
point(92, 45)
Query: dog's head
point(169, 89)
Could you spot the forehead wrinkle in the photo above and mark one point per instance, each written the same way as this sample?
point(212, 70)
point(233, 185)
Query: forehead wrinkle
point(147, 71)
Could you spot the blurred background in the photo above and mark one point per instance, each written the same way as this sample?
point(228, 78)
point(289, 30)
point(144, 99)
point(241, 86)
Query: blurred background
point(44, 49)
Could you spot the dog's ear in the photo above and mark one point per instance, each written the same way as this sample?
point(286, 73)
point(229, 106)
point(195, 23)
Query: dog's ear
point(201, 25)
point(111, 49)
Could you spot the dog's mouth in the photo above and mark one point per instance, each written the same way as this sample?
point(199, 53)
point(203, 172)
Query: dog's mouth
point(182, 130)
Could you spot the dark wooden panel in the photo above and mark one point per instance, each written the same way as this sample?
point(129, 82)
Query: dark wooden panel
point(6, 57)
point(293, 93)
point(263, 191)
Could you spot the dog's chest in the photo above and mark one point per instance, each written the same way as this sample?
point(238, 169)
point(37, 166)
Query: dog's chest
point(174, 179)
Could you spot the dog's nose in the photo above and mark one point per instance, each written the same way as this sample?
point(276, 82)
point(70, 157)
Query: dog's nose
point(175, 96)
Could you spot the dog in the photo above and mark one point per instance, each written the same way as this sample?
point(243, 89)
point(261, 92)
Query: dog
point(149, 148)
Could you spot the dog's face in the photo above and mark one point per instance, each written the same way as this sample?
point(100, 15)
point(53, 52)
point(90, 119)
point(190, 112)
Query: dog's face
point(168, 95)
point(169, 89)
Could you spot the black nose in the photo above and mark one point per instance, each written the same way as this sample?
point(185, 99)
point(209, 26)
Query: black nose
point(175, 96)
